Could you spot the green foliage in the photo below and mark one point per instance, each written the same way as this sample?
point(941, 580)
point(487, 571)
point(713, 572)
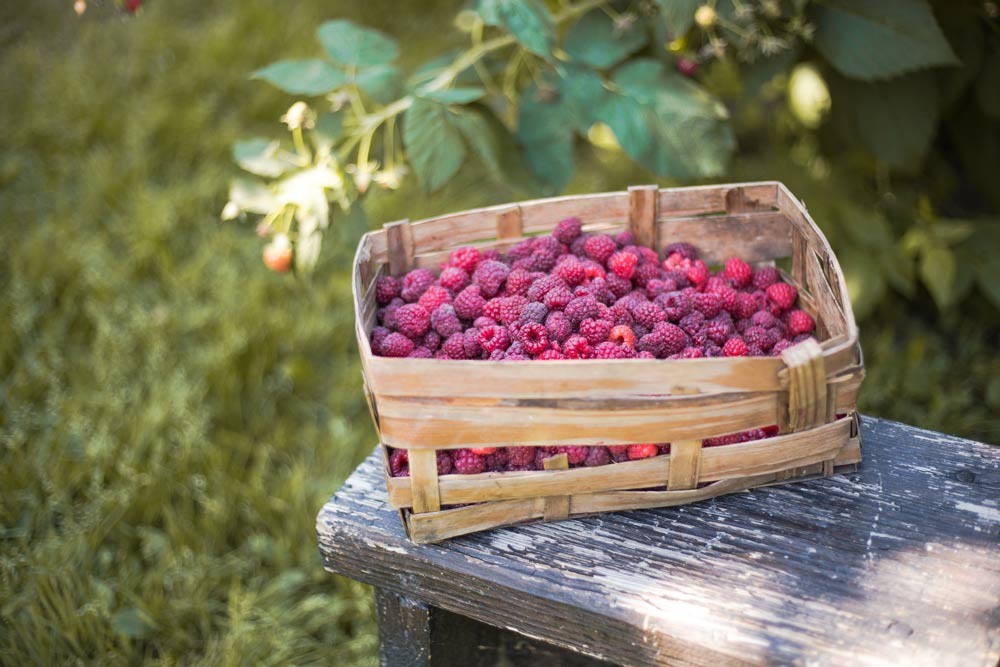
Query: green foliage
point(302, 77)
point(528, 20)
point(677, 15)
point(595, 40)
point(434, 144)
point(353, 46)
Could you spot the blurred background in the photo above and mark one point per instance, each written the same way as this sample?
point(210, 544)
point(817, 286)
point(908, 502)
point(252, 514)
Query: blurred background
point(172, 414)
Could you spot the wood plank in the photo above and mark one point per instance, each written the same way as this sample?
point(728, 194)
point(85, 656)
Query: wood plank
point(685, 465)
point(642, 214)
point(895, 564)
point(756, 237)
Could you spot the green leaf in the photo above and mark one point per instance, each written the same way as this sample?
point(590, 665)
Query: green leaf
point(937, 271)
point(678, 15)
point(455, 95)
point(482, 137)
point(964, 31)
point(987, 280)
point(595, 41)
point(433, 144)
point(546, 137)
point(879, 40)
point(758, 74)
point(264, 157)
point(895, 119)
point(581, 92)
point(988, 84)
point(302, 77)
point(627, 119)
point(382, 83)
point(133, 623)
point(351, 44)
point(528, 20)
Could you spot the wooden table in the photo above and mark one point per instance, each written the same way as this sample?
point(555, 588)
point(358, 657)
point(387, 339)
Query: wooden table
point(896, 564)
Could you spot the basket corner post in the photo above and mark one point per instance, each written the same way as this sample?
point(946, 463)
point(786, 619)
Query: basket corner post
point(643, 213)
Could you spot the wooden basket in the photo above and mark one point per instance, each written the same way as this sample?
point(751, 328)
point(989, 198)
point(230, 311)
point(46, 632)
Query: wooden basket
point(423, 405)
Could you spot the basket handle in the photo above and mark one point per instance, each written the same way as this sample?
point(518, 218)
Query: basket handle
point(807, 390)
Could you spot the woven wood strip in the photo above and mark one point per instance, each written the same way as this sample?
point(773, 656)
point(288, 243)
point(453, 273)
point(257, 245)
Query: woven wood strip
point(399, 237)
point(643, 205)
point(424, 480)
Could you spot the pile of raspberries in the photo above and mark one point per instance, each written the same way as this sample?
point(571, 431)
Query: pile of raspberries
point(571, 295)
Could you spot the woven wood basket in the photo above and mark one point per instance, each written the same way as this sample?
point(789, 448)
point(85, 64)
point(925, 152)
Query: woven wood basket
point(423, 405)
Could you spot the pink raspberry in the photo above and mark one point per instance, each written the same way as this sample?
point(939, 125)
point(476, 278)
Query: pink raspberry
point(494, 338)
point(676, 305)
point(550, 355)
point(431, 340)
point(735, 347)
point(576, 347)
point(466, 258)
point(623, 264)
point(643, 451)
point(466, 462)
point(800, 322)
point(692, 353)
point(454, 346)
point(510, 309)
point(473, 349)
point(609, 350)
point(728, 298)
point(622, 334)
point(386, 289)
point(490, 276)
point(434, 297)
point(566, 231)
point(413, 320)
point(533, 337)
point(782, 295)
point(396, 345)
point(518, 282)
point(519, 250)
point(544, 285)
point(718, 330)
point(416, 283)
point(469, 303)
point(738, 271)
point(766, 276)
point(421, 352)
point(781, 346)
point(454, 278)
point(595, 330)
point(600, 247)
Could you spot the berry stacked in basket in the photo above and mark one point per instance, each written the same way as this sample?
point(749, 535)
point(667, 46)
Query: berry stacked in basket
point(571, 295)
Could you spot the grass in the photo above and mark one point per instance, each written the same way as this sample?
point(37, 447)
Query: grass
point(172, 415)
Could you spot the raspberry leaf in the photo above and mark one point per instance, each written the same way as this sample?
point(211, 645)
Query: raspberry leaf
point(382, 83)
point(350, 44)
point(528, 20)
point(302, 77)
point(678, 15)
point(264, 158)
point(595, 40)
point(433, 144)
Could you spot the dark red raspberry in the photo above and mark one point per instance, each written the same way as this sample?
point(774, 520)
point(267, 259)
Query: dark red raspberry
point(664, 340)
point(454, 278)
point(399, 463)
point(445, 321)
point(558, 326)
point(575, 454)
point(597, 456)
point(466, 258)
point(675, 305)
point(496, 461)
point(708, 303)
point(782, 295)
point(421, 352)
point(647, 314)
point(722, 440)
point(396, 345)
point(781, 346)
point(580, 308)
point(416, 283)
point(490, 276)
point(765, 276)
point(622, 334)
point(576, 347)
point(386, 289)
point(469, 303)
point(454, 346)
point(595, 330)
point(619, 286)
point(685, 250)
point(434, 297)
point(413, 320)
point(623, 264)
point(550, 355)
point(718, 330)
point(738, 271)
point(473, 350)
point(600, 247)
point(377, 338)
point(466, 462)
point(800, 322)
point(520, 458)
point(432, 340)
point(494, 338)
point(533, 337)
point(624, 238)
point(643, 451)
point(644, 273)
point(759, 337)
point(567, 230)
point(735, 347)
point(558, 298)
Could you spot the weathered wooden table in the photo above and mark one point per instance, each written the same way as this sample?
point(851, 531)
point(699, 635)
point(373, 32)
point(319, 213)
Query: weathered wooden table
point(896, 564)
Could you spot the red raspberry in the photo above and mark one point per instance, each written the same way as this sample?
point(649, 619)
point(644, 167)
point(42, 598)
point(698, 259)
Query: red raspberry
point(759, 337)
point(518, 282)
point(622, 335)
point(469, 303)
point(716, 283)
point(731, 439)
point(444, 320)
point(782, 295)
point(576, 347)
point(698, 273)
point(434, 297)
point(494, 338)
point(600, 247)
point(692, 353)
point(510, 308)
point(558, 298)
point(567, 230)
point(454, 346)
point(399, 463)
point(609, 350)
point(766, 276)
point(482, 451)
point(800, 322)
point(643, 451)
point(648, 256)
point(416, 283)
point(550, 355)
point(558, 326)
point(738, 271)
point(729, 298)
point(490, 276)
point(597, 456)
point(647, 314)
point(467, 462)
point(644, 273)
point(533, 338)
point(592, 271)
point(595, 330)
point(454, 278)
point(735, 347)
point(572, 271)
point(575, 454)
point(709, 303)
point(466, 258)
point(623, 264)
point(413, 320)
point(396, 345)
point(386, 289)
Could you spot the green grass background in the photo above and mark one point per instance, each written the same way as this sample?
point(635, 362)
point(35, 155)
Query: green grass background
point(172, 415)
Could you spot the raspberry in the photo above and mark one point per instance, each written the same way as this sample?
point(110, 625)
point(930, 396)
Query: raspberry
point(434, 297)
point(558, 298)
point(735, 347)
point(679, 277)
point(466, 258)
point(542, 260)
point(444, 464)
point(416, 283)
point(691, 353)
point(600, 247)
point(619, 286)
point(708, 303)
point(800, 322)
point(575, 454)
point(647, 256)
point(518, 282)
point(623, 264)
point(444, 320)
point(377, 337)
point(577, 247)
point(595, 330)
point(567, 231)
point(685, 250)
point(763, 319)
point(618, 453)
point(765, 276)
point(544, 285)
point(676, 305)
point(519, 250)
point(728, 298)
point(664, 340)
point(592, 271)
point(698, 273)
point(508, 309)
point(716, 283)
point(655, 287)
point(421, 352)
point(469, 303)
point(580, 308)
point(576, 347)
point(533, 338)
point(800, 338)
point(494, 338)
point(572, 271)
point(550, 355)
point(597, 456)
point(643, 451)
point(781, 346)
point(454, 278)
point(388, 314)
point(396, 345)
point(467, 462)
point(624, 238)
point(558, 326)
point(782, 295)
point(454, 346)
point(644, 273)
point(520, 457)
point(399, 463)
point(432, 340)
point(609, 350)
point(386, 289)
point(472, 347)
point(755, 351)
point(490, 276)
point(533, 312)
point(731, 439)
point(738, 271)
point(599, 290)
point(413, 320)
point(647, 314)
point(718, 331)
point(482, 451)
point(483, 321)
point(622, 335)
point(759, 337)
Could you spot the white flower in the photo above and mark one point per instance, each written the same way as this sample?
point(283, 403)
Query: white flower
point(230, 211)
point(299, 116)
